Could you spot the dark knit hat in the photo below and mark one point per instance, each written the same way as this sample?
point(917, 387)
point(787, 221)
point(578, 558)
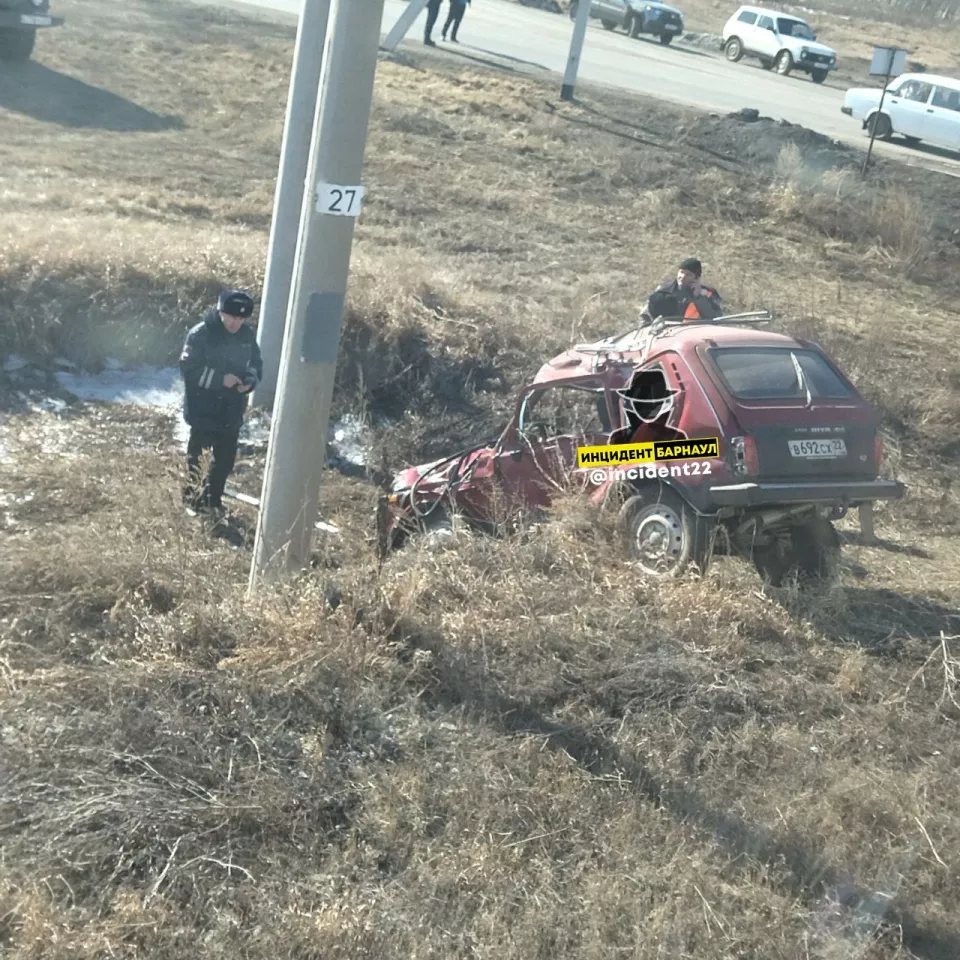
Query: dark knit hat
point(236, 303)
point(693, 265)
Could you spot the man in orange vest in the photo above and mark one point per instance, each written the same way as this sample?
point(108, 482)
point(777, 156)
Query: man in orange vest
point(685, 295)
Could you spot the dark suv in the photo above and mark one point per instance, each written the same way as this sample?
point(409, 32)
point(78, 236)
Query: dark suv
point(19, 22)
point(796, 447)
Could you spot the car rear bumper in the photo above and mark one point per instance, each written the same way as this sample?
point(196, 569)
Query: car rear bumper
point(13, 18)
point(768, 494)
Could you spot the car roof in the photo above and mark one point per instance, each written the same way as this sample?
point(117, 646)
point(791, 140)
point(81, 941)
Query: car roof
point(936, 79)
point(615, 359)
point(770, 11)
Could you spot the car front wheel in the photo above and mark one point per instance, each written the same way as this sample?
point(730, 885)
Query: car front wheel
point(880, 126)
point(783, 63)
point(662, 535)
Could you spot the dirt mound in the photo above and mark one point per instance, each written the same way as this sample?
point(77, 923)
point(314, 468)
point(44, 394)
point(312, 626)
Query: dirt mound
point(757, 141)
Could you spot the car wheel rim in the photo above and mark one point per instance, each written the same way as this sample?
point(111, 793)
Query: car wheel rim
point(659, 540)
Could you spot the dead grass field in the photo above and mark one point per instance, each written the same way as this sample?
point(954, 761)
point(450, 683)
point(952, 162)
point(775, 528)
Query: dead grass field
point(498, 749)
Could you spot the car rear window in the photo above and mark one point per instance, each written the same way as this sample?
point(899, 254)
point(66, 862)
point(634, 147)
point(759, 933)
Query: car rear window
point(769, 373)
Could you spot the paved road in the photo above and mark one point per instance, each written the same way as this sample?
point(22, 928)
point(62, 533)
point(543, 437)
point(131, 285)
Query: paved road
point(539, 42)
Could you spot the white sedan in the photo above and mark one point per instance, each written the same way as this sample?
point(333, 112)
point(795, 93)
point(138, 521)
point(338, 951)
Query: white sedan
point(916, 106)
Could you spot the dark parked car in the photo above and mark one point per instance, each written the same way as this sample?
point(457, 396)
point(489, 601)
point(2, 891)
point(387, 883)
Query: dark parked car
point(636, 17)
point(798, 447)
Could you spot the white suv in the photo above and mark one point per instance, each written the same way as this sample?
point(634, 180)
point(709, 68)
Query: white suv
point(777, 40)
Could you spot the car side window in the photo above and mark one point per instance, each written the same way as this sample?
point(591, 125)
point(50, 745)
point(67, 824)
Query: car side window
point(916, 91)
point(946, 98)
point(747, 17)
point(765, 23)
point(567, 410)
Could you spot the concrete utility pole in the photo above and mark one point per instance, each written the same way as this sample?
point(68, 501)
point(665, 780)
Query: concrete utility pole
point(576, 48)
point(308, 365)
point(404, 22)
point(288, 198)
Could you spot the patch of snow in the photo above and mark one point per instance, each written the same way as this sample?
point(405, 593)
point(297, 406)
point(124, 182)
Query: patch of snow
point(14, 363)
point(350, 437)
point(144, 386)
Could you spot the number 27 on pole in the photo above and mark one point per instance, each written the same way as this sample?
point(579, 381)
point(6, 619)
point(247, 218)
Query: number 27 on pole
point(339, 200)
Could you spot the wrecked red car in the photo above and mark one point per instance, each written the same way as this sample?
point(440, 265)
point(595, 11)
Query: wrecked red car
point(797, 447)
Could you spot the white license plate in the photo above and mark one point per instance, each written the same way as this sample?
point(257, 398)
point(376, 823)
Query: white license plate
point(817, 449)
point(33, 21)
point(671, 28)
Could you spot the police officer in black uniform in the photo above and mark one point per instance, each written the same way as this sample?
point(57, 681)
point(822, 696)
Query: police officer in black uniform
point(220, 365)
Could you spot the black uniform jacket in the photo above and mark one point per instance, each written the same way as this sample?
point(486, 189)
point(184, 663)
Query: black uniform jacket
point(209, 353)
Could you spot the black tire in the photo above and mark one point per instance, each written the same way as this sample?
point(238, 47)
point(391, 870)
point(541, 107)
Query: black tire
point(636, 27)
point(783, 63)
point(883, 124)
point(661, 511)
point(16, 45)
point(811, 552)
point(609, 24)
point(665, 39)
point(573, 9)
point(817, 75)
point(733, 50)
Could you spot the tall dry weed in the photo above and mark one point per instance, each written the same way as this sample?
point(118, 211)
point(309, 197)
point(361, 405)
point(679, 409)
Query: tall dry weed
point(886, 223)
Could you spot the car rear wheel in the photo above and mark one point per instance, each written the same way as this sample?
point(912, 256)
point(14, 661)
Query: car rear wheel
point(733, 51)
point(783, 63)
point(662, 534)
point(609, 24)
point(817, 75)
point(810, 551)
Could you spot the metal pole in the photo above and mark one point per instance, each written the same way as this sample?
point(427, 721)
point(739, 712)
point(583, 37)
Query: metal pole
point(404, 22)
point(873, 127)
point(576, 47)
point(298, 434)
point(288, 198)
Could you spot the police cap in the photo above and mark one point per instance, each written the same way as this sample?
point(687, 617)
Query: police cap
point(236, 303)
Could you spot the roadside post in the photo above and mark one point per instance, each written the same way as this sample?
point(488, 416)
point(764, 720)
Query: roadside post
point(298, 434)
point(886, 62)
point(308, 56)
point(576, 49)
point(404, 22)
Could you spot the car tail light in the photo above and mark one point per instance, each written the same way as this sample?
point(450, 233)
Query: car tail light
point(745, 455)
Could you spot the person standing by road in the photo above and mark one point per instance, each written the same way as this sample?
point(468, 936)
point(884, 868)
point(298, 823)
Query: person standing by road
point(220, 364)
point(455, 14)
point(433, 11)
point(685, 295)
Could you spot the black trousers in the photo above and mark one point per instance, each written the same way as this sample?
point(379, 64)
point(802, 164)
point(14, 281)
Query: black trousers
point(208, 492)
point(454, 16)
point(433, 11)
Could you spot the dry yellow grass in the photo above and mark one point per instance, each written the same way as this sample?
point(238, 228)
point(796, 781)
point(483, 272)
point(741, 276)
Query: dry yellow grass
point(509, 749)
